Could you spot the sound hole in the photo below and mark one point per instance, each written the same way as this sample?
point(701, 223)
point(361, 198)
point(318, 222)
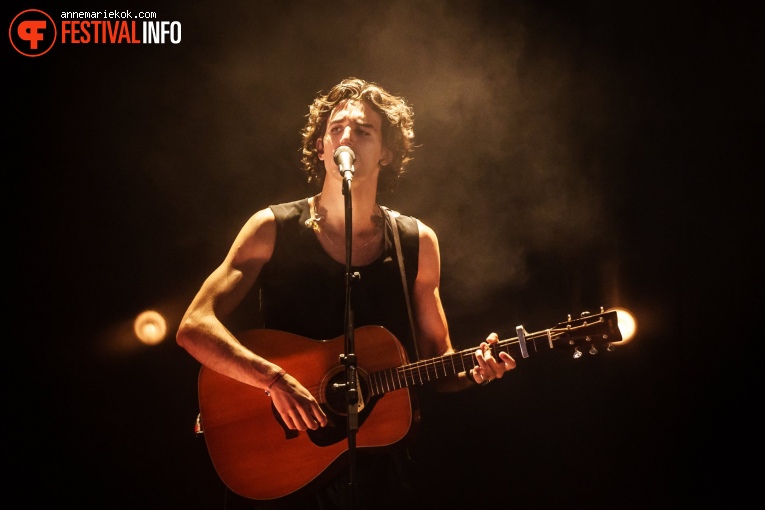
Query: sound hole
point(335, 405)
point(335, 397)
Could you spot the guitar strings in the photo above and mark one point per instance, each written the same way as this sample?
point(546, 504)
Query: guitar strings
point(421, 372)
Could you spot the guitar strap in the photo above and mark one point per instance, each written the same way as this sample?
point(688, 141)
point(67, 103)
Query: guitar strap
point(400, 258)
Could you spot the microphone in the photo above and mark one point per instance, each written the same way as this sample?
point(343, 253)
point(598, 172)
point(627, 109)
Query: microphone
point(344, 158)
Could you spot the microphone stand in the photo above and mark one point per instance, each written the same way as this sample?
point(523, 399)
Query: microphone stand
point(349, 358)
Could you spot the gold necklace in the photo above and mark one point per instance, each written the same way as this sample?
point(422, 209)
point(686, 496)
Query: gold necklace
point(315, 219)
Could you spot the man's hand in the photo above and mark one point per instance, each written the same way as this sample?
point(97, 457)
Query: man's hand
point(490, 368)
point(297, 407)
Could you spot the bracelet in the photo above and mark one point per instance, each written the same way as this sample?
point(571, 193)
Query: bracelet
point(273, 381)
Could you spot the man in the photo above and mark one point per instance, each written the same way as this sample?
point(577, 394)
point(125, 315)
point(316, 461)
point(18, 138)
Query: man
point(294, 254)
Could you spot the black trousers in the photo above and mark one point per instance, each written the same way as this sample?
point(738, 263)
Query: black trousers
point(384, 481)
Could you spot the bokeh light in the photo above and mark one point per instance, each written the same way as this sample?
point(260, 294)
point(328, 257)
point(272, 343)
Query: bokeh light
point(627, 324)
point(150, 327)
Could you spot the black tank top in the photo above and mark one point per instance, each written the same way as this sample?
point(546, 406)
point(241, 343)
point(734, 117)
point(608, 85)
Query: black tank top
point(302, 288)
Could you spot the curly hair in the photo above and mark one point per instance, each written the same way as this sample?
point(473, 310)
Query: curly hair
point(397, 128)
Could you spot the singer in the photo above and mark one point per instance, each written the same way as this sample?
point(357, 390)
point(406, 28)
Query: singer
point(290, 258)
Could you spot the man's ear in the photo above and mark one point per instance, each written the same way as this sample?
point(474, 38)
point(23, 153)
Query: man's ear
point(320, 148)
point(387, 157)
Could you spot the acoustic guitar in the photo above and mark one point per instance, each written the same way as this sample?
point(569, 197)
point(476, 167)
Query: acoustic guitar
point(258, 457)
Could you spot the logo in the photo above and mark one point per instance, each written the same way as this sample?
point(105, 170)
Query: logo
point(32, 33)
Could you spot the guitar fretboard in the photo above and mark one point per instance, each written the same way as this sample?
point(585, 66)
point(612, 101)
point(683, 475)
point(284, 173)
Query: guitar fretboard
point(425, 371)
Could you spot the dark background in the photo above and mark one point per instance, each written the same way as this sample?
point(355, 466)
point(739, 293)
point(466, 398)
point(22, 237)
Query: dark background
point(571, 155)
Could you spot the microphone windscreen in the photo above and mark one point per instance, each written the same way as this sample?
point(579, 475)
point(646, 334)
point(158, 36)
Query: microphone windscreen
point(343, 150)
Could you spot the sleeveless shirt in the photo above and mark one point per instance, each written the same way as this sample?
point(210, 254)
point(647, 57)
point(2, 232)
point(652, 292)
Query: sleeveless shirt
point(302, 288)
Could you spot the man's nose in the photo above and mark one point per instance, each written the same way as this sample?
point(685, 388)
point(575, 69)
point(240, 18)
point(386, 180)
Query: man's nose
point(346, 137)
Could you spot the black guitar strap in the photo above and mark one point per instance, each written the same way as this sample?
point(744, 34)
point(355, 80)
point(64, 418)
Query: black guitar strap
point(400, 258)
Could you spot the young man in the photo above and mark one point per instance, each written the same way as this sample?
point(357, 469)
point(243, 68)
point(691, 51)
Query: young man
point(294, 255)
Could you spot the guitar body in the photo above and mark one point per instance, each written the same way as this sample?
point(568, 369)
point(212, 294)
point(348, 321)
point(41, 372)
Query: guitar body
point(254, 453)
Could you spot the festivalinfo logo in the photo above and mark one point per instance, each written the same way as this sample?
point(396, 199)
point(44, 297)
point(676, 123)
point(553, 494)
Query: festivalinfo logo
point(34, 32)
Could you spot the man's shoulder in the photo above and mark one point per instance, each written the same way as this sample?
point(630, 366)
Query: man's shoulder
point(409, 226)
point(398, 215)
point(286, 210)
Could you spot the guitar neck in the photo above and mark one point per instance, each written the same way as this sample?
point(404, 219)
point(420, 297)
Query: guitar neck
point(590, 331)
point(429, 370)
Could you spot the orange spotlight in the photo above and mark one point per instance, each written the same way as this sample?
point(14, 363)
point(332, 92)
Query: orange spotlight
point(627, 324)
point(150, 327)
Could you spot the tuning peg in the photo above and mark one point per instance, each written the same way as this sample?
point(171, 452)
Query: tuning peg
point(593, 350)
point(610, 347)
point(577, 353)
point(584, 314)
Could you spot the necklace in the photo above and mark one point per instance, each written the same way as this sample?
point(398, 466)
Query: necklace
point(314, 222)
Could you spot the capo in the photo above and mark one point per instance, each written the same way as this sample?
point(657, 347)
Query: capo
point(522, 340)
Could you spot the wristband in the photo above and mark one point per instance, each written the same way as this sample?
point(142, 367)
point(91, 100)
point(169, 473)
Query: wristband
point(273, 381)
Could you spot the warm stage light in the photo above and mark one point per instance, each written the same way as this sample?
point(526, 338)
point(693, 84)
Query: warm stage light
point(627, 324)
point(150, 327)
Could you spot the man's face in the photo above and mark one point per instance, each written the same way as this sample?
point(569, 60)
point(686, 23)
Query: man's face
point(357, 125)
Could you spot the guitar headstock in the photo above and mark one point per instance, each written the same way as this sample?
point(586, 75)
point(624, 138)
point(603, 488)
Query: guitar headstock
point(589, 331)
